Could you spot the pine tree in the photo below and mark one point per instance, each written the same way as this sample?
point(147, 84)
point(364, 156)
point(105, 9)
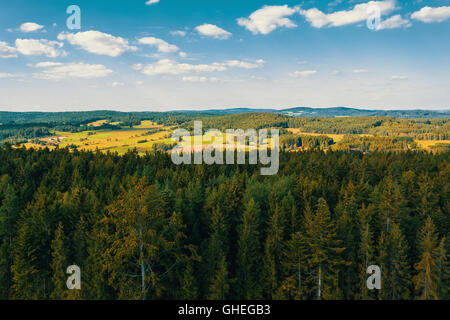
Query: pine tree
point(144, 243)
point(59, 265)
point(324, 257)
point(272, 254)
point(347, 231)
point(392, 204)
point(220, 285)
point(9, 212)
point(248, 255)
point(395, 271)
point(189, 290)
point(218, 245)
point(366, 250)
point(293, 256)
point(427, 280)
point(5, 269)
point(31, 264)
point(443, 270)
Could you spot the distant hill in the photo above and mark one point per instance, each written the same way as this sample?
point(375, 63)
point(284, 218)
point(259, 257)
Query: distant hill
point(342, 112)
point(88, 116)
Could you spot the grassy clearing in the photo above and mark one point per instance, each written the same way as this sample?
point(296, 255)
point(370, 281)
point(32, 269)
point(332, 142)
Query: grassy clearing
point(336, 137)
point(428, 144)
point(98, 123)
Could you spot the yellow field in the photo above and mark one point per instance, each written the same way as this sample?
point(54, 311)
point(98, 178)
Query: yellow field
point(97, 123)
point(427, 144)
point(336, 137)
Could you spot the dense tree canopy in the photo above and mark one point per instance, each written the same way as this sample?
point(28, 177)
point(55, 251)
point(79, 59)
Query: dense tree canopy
point(140, 227)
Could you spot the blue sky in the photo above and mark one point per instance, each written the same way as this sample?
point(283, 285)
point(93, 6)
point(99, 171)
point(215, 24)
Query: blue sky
point(178, 54)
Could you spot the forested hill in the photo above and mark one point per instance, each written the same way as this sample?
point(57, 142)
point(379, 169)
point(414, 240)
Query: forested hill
point(341, 112)
point(350, 112)
point(89, 116)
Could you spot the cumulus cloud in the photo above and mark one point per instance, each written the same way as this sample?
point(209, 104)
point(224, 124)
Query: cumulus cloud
point(116, 84)
point(149, 2)
point(200, 79)
point(178, 33)
point(360, 12)
point(183, 54)
point(244, 64)
point(170, 67)
point(98, 42)
point(303, 74)
point(394, 22)
point(161, 45)
point(74, 70)
point(35, 47)
point(211, 30)
point(47, 64)
point(268, 18)
point(7, 51)
point(399, 77)
point(30, 27)
point(10, 75)
point(428, 14)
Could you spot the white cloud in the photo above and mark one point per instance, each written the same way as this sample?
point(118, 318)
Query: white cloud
point(200, 79)
point(47, 64)
point(137, 66)
point(360, 12)
point(303, 74)
point(98, 42)
point(399, 78)
point(183, 54)
point(116, 84)
point(160, 44)
point(30, 27)
point(214, 31)
point(428, 14)
point(394, 22)
point(360, 71)
point(170, 67)
point(243, 64)
point(10, 75)
point(178, 33)
point(35, 47)
point(74, 70)
point(268, 18)
point(149, 2)
point(7, 51)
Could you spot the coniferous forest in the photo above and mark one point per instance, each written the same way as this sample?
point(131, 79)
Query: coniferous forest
point(140, 227)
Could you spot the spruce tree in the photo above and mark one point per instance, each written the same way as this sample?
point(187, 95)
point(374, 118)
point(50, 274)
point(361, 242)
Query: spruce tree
point(248, 254)
point(220, 285)
point(324, 257)
point(59, 265)
point(429, 272)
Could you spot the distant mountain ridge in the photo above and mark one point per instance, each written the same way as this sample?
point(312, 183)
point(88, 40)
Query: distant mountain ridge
point(341, 112)
point(335, 112)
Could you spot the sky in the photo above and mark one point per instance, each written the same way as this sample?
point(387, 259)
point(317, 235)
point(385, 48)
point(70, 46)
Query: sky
point(158, 55)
